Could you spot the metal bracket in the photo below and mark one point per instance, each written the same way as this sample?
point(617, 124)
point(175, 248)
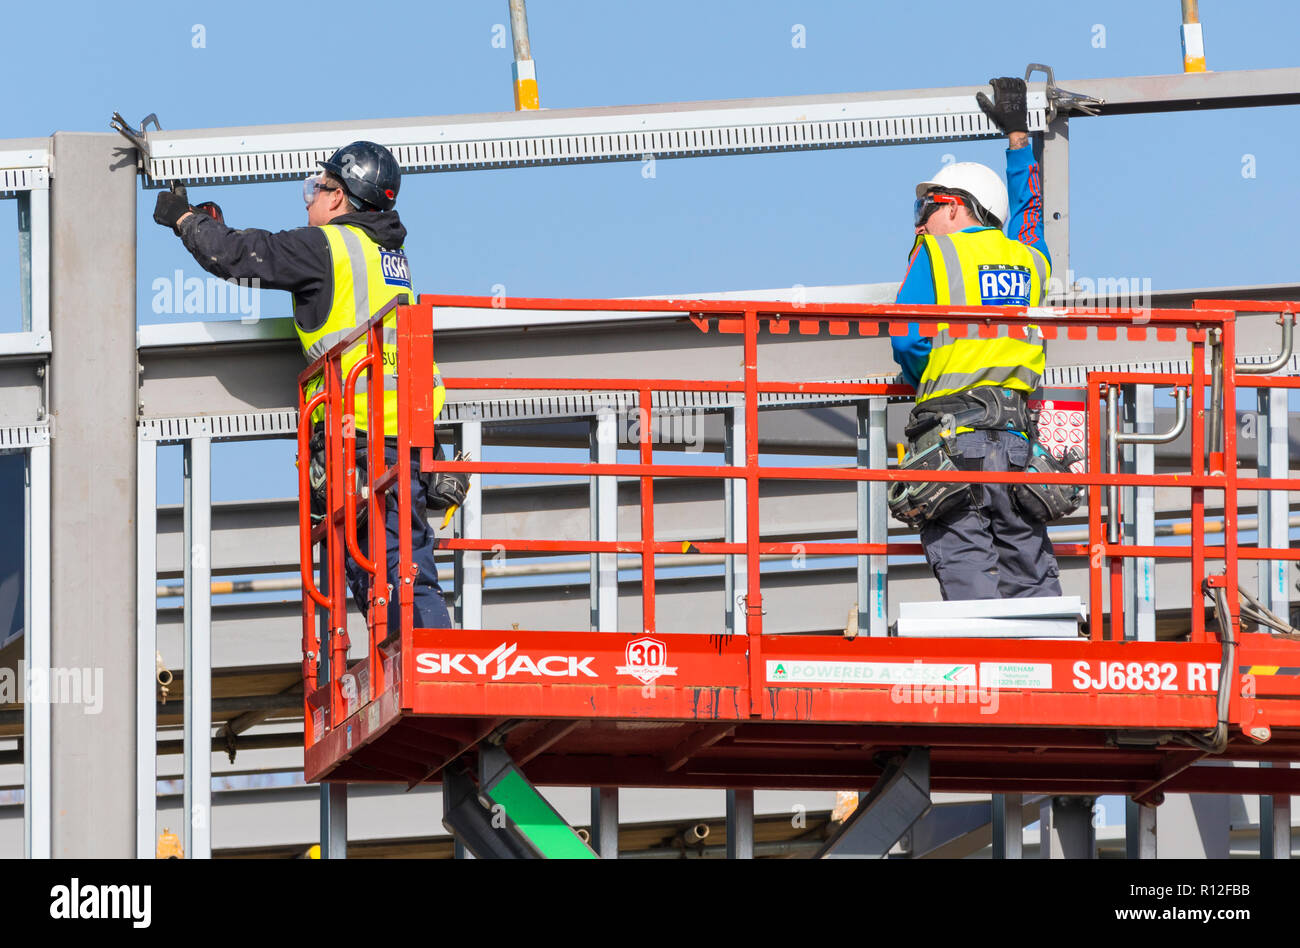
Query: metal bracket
point(1061, 101)
point(136, 137)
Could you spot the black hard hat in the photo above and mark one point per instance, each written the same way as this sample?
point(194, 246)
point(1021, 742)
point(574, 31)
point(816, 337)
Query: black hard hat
point(369, 173)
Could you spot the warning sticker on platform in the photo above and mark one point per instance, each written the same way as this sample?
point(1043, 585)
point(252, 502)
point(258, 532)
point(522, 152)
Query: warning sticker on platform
point(869, 673)
point(1014, 675)
point(1061, 427)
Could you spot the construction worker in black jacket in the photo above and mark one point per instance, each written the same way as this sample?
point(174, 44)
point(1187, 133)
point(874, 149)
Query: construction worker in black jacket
point(342, 268)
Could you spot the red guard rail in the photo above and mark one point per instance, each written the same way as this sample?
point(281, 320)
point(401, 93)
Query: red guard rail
point(1199, 327)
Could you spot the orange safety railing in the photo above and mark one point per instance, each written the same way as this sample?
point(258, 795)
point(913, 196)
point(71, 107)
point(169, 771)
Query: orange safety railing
point(1209, 324)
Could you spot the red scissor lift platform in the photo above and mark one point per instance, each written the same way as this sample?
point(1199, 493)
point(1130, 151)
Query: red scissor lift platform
point(677, 707)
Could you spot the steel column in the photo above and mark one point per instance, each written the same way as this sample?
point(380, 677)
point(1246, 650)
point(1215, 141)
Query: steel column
point(740, 824)
point(1140, 525)
point(735, 499)
point(1053, 150)
point(146, 649)
point(1066, 827)
point(1139, 830)
point(604, 821)
point(198, 648)
point(873, 520)
point(1008, 826)
point(469, 569)
point(1275, 824)
point(1274, 513)
point(334, 821)
point(604, 523)
point(36, 632)
point(93, 392)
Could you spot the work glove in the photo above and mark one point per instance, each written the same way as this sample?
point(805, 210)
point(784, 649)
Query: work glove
point(1008, 109)
point(170, 207)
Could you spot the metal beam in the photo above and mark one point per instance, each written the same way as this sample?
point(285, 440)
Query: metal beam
point(677, 130)
point(24, 165)
point(579, 136)
point(257, 375)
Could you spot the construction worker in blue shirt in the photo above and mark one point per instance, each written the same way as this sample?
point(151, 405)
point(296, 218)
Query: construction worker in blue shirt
point(972, 392)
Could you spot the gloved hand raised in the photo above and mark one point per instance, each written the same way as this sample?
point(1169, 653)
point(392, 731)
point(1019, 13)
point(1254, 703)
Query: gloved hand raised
point(171, 206)
point(1008, 109)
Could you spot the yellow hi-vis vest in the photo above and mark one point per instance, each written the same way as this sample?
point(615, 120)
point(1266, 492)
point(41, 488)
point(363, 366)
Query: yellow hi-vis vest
point(984, 268)
point(366, 278)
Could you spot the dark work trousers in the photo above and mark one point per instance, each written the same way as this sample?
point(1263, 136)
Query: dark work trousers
point(430, 610)
point(985, 549)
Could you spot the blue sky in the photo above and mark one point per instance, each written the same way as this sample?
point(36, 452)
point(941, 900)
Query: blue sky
point(1158, 197)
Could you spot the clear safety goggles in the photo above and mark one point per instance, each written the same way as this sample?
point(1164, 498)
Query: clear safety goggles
point(313, 184)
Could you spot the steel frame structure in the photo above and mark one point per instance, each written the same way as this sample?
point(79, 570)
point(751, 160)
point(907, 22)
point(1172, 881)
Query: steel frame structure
point(741, 719)
point(564, 136)
point(25, 177)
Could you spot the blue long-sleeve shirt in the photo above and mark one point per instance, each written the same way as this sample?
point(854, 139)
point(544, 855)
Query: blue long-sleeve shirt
point(1025, 191)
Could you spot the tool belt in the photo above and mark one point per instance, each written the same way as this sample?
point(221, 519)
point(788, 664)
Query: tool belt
point(931, 426)
point(989, 406)
point(441, 490)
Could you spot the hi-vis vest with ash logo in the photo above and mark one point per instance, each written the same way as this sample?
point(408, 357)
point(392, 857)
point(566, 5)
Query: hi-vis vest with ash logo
point(984, 268)
point(366, 278)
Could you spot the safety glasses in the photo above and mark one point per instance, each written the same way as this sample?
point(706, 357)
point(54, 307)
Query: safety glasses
point(313, 184)
point(929, 202)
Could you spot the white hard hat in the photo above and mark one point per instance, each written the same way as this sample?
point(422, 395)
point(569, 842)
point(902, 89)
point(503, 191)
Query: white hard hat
point(979, 181)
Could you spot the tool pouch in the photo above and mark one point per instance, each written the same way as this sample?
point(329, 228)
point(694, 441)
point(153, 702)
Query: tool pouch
point(1045, 503)
point(918, 502)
